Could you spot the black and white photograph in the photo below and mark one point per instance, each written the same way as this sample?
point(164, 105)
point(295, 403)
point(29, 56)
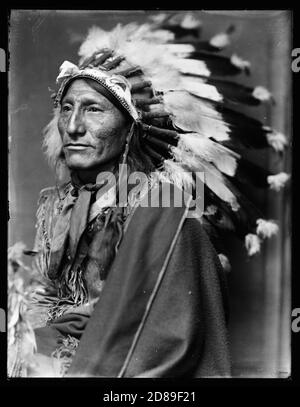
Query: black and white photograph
point(149, 191)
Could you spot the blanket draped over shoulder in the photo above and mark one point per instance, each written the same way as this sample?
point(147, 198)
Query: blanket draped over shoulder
point(162, 311)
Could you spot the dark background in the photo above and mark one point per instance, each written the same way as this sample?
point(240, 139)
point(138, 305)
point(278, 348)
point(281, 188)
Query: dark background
point(260, 287)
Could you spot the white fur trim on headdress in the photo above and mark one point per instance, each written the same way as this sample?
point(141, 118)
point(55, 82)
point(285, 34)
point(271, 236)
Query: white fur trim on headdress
point(225, 262)
point(276, 139)
point(190, 21)
point(266, 228)
point(239, 62)
point(220, 40)
point(261, 93)
point(210, 210)
point(278, 181)
point(252, 243)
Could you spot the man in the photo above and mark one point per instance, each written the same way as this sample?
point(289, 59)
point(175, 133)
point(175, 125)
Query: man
point(133, 289)
point(160, 309)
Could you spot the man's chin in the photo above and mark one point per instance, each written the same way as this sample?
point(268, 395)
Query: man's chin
point(80, 167)
point(77, 165)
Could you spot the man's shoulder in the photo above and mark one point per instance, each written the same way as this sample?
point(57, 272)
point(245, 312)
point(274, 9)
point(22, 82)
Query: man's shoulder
point(52, 193)
point(47, 191)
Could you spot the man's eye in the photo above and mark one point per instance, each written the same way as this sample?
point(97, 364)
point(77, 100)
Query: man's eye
point(93, 109)
point(66, 108)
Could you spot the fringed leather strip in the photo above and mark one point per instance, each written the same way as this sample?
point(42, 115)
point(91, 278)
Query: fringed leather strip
point(151, 115)
point(58, 309)
point(65, 353)
point(163, 147)
point(128, 72)
point(42, 242)
point(73, 281)
point(140, 85)
point(140, 102)
point(170, 135)
point(156, 131)
point(153, 154)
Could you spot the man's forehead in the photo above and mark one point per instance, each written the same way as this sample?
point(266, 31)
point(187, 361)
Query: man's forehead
point(81, 89)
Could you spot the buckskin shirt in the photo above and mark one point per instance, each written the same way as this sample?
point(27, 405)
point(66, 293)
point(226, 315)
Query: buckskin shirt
point(158, 312)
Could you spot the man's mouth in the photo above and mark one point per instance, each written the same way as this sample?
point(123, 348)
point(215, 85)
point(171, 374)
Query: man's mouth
point(77, 146)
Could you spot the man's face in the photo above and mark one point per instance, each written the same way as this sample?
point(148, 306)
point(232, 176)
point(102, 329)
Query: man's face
point(92, 129)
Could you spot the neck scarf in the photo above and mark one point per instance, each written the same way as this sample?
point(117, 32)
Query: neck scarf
point(71, 222)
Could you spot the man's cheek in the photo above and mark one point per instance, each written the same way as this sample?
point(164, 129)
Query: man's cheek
point(102, 135)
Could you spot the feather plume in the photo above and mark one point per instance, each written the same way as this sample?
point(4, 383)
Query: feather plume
point(52, 146)
point(216, 65)
point(223, 158)
point(158, 18)
point(233, 92)
point(249, 173)
point(232, 128)
point(173, 172)
point(266, 228)
point(243, 221)
point(189, 116)
point(183, 26)
point(278, 181)
point(196, 87)
point(262, 94)
point(133, 41)
point(225, 262)
point(240, 63)
point(180, 49)
point(244, 131)
point(222, 40)
point(210, 210)
point(252, 243)
point(198, 116)
point(276, 139)
point(192, 66)
point(213, 177)
point(190, 21)
point(215, 214)
point(96, 40)
point(52, 141)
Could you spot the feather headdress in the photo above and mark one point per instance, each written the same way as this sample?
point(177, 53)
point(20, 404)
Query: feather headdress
point(176, 87)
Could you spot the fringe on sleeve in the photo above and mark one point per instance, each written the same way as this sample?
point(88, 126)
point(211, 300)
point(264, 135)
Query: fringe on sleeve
point(46, 211)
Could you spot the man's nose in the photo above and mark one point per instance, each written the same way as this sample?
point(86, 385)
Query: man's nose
point(76, 126)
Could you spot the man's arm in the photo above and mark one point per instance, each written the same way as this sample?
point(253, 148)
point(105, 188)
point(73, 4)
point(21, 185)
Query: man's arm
point(161, 312)
point(185, 333)
point(44, 296)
